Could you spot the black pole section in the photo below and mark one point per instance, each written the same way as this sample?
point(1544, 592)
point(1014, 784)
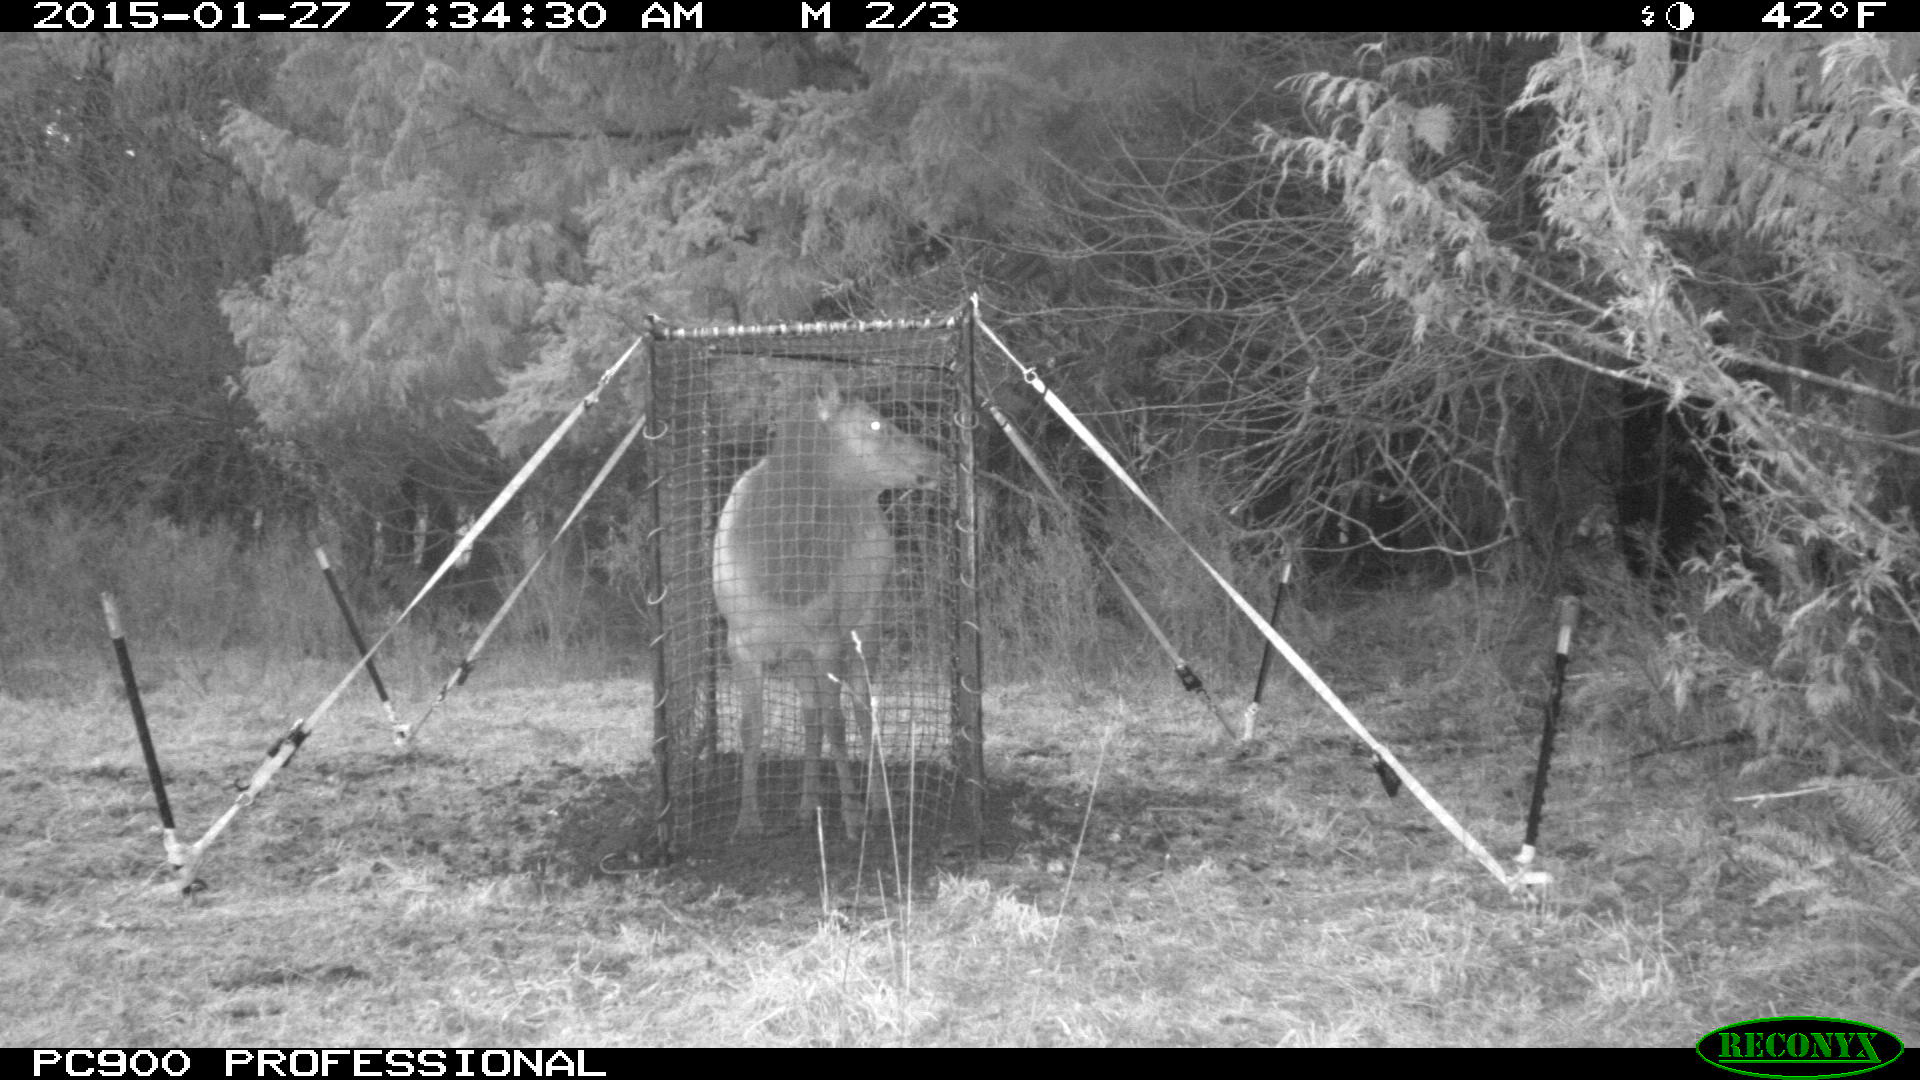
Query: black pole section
point(127, 679)
point(1389, 780)
point(1569, 615)
point(1273, 616)
point(1266, 648)
point(353, 628)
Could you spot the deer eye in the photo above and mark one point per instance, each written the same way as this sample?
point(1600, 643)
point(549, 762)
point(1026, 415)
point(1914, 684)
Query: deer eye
point(873, 425)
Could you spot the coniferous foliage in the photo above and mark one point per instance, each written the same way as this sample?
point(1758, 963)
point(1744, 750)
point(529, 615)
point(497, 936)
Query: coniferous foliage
point(1392, 301)
point(1734, 215)
point(119, 225)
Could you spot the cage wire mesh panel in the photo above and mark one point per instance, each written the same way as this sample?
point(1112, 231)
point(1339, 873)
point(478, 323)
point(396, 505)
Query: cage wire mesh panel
point(858, 515)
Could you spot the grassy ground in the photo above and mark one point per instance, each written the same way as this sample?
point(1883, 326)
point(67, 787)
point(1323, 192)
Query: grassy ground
point(1145, 882)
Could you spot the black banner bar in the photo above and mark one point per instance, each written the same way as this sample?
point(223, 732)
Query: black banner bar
point(281, 1064)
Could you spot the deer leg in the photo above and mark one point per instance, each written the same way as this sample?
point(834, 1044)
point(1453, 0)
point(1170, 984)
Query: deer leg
point(813, 708)
point(749, 686)
point(853, 809)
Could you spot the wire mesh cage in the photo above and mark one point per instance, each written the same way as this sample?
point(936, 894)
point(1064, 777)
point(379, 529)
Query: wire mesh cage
point(813, 536)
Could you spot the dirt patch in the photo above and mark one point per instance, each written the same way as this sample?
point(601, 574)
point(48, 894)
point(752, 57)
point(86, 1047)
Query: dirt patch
point(572, 823)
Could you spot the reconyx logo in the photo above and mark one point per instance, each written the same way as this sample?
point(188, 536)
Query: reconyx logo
point(1799, 1047)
